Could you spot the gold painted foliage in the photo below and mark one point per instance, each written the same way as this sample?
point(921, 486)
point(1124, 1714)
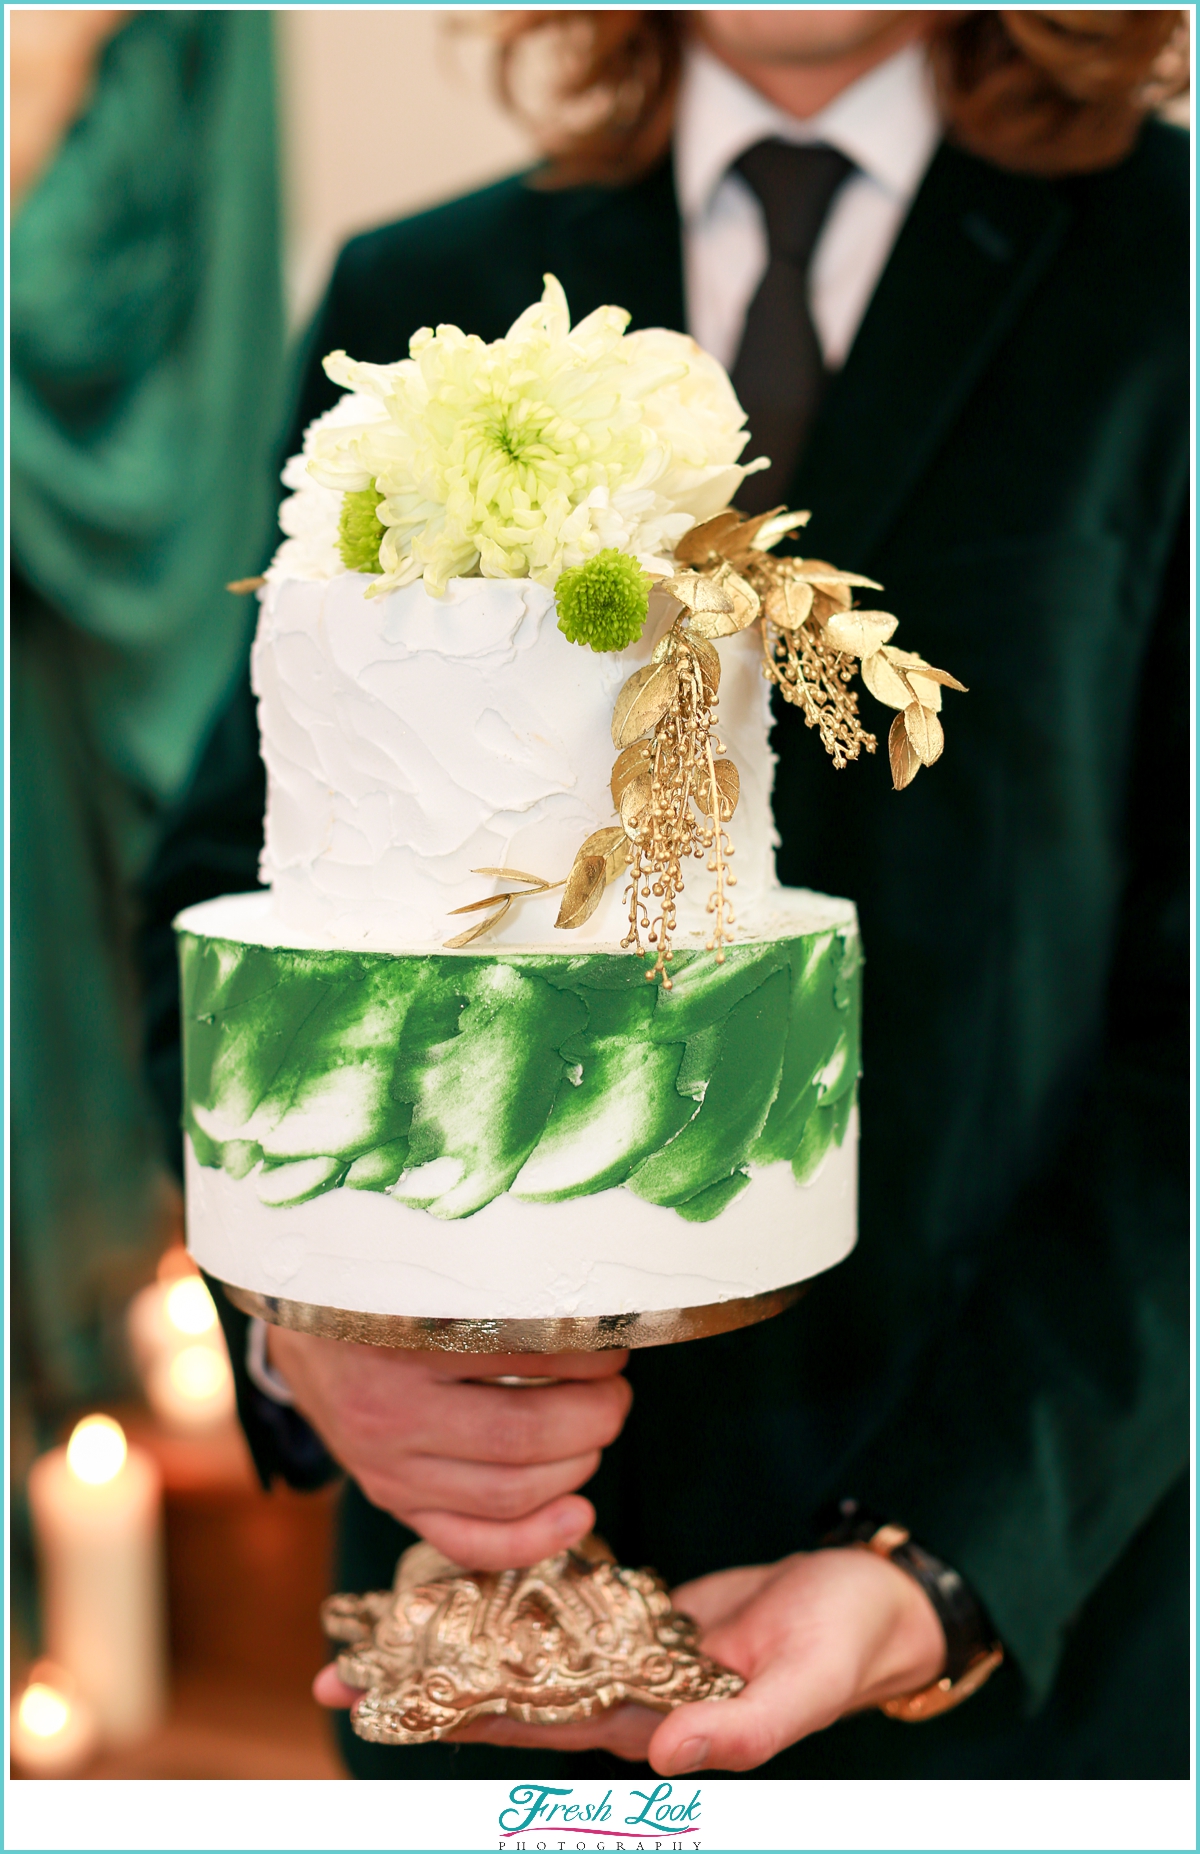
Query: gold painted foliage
point(601, 857)
point(500, 904)
point(815, 638)
point(672, 787)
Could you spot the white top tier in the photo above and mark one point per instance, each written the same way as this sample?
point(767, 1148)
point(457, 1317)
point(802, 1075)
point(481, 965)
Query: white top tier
point(410, 740)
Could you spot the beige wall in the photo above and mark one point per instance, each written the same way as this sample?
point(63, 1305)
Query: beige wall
point(385, 110)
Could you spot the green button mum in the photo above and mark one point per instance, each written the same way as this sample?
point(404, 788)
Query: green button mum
point(360, 530)
point(604, 602)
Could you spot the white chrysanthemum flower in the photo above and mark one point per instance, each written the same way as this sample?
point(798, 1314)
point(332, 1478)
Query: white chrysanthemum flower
point(521, 457)
point(699, 418)
point(309, 518)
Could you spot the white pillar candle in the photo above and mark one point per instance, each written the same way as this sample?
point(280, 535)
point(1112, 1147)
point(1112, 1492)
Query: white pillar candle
point(97, 1514)
point(52, 1732)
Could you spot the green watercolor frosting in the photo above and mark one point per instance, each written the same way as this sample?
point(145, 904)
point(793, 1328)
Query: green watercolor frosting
point(446, 1080)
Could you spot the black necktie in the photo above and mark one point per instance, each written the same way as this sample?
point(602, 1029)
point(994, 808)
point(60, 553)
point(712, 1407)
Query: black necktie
point(779, 373)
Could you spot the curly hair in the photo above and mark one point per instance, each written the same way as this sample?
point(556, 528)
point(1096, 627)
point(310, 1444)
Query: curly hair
point(1046, 93)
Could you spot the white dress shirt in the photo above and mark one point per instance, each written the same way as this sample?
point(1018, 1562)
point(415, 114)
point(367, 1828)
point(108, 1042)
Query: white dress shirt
point(886, 123)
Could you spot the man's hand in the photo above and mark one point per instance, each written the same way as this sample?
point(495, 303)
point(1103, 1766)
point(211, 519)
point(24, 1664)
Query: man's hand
point(815, 1636)
point(484, 1472)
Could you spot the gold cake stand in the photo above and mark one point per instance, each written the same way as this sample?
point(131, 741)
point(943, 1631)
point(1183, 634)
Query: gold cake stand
point(605, 1332)
point(547, 1644)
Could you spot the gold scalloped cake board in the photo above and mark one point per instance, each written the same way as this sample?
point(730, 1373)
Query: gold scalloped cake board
point(606, 1332)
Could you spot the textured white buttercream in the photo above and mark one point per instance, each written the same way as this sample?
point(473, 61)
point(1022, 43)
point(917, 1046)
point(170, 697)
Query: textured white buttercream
point(411, 740)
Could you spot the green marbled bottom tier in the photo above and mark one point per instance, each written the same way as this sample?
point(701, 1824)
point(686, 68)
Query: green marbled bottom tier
point(438, 1133)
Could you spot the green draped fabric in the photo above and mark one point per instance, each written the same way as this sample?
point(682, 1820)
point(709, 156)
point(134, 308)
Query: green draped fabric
point(146, 376)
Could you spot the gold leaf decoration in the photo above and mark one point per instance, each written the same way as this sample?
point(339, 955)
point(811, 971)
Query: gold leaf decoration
point(697, 592)
point(650, 702)
point(499, 904)
point(822, 574)
point(901, 677)
point(709, 664)
point(926, 692)
point(612, 844)
point(626, 697)
point(905, 763)
point(797, 595)
point(924, 732)
point(487, 901)
point(635, 800)
point(508, 875)
point(929, 674)
point(860, 633)
point(631, 761)
point(674, 794)
point(742, 608)
point(710, 540)
point(728, 788)
point(480, 927)
point(585, 885)
point(775, 527)
point(926, 682)
point(887, 680)
point(600, 858)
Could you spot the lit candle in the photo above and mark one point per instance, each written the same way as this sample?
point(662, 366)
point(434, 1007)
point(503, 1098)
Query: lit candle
point(97, 1514)
point(52, 1732)
point(191, 1388)
point(177, 1341)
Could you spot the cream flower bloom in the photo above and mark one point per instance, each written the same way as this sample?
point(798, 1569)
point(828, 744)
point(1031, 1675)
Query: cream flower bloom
point(521, 457)
point(309, 517)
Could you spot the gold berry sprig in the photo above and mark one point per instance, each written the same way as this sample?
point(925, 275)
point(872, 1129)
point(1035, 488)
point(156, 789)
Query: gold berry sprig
point(673, 787)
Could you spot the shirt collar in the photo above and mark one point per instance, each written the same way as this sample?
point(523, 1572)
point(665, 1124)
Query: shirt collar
point(886, 122)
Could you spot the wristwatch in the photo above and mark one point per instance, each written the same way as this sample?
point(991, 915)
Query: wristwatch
point(972, 1652)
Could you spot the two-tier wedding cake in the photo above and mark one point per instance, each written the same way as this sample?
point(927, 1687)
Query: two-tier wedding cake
point(524, 1028)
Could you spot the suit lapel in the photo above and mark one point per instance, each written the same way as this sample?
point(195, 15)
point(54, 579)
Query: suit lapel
point(972, 249)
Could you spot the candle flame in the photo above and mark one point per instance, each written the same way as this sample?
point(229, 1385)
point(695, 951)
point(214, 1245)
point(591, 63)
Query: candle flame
point(42, 1711)
point(190, 1306)
point(199, 1373)
point(96, 1451)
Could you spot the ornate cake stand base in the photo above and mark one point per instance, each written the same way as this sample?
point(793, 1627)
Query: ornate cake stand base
point(558, 1642)
point(561, 1641)
point(605, 1332)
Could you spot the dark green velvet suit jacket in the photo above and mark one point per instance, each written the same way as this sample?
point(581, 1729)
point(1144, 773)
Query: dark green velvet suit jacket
point(1002, 1363)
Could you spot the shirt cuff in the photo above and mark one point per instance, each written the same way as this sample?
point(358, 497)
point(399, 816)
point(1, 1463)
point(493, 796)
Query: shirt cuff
point(259, 1369)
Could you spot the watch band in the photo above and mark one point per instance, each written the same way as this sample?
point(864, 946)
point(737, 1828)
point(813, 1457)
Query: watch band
point(972, 1652)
